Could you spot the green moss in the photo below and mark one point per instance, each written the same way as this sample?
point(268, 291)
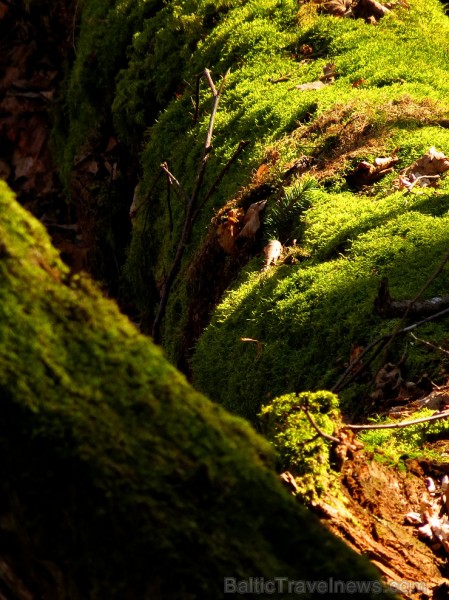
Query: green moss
point(308, 316)
point(300, 450)
point(114, 469)
point(387, 111)
point(145, 57)
point(393, 446)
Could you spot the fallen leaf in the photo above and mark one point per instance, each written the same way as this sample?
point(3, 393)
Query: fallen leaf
point(261, 173)
point(430, 163)
point(338, 8)
point(289, 481)
point(366, 173)
point(305, 50)
point(252, 219)
point(329, 73)
point(229, 229)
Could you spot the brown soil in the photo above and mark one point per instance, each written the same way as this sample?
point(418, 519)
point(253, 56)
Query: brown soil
point(371, 520)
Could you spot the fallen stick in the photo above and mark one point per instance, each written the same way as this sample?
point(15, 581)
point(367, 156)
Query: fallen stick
point(437, 417)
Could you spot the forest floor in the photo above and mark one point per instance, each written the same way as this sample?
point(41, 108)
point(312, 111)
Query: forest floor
point(371, 520)
point(377, 497)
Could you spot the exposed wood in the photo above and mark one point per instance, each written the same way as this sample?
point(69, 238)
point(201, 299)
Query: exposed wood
point(386, 307)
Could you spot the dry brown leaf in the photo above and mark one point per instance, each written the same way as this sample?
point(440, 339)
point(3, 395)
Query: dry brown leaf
point(228, 231)
point(329, 73)
point(430, 163)
point(272, 156)
point(424, 172)
point(366, 173)
point(235, 215)
point(338, 8)
point(305, 50)
point(289, 481)
point(370, 10)
point(252, 219)
point(261, 173)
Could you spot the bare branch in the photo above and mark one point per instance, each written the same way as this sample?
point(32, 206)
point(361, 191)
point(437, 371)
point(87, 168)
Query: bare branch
point(190, 212)
point(383, 340)
point(242, 145)
point(173, 181)
point(387, 340)
point(320, 432)
point(208, 77)
point(437, 417)
point(387, 307)
point(426, 343)
point(197, 99)
point(170, 215)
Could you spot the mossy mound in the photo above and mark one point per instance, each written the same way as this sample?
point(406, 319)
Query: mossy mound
point(383, 99)
point(136, 68)
point(115, 473)
point(308, 316)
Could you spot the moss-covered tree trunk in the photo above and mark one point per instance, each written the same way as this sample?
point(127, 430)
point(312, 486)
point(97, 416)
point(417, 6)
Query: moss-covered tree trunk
point(117, 479)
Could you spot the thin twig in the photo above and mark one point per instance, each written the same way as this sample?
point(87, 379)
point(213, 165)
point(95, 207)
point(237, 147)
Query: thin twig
point(242, 145)
point(382, 339)
point(208, 144)
point(211, 83)
point(437, 417)
point(320, 432)
point(190, 211)
point(170, 215)
point(432, 277)
point(197, 98)
point(173, 181)
point(389, 338)
point(426, 343)
point(75, 15)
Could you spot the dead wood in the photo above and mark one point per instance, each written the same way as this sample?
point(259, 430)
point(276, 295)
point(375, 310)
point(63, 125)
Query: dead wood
point(366, 9)
point(386, 307)
point(441, 415)
point(190, 211)
point(381, 342)
point(366, 173)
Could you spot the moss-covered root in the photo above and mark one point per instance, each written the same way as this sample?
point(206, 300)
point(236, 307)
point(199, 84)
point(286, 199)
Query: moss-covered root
point(117, 479)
